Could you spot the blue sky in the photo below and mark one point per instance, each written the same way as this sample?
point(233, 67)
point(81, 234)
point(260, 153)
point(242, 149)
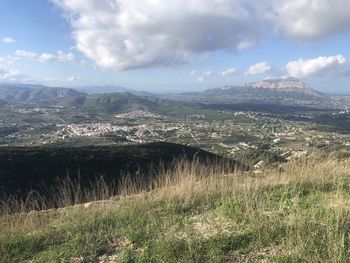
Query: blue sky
point(174, 46)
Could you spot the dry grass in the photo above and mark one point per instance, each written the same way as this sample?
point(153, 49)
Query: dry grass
point(297, 212)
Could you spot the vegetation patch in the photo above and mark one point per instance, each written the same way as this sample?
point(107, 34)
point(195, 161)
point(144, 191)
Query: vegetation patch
point(297, 214)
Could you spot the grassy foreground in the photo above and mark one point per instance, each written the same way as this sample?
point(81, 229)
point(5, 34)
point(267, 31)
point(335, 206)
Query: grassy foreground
point(300, 213)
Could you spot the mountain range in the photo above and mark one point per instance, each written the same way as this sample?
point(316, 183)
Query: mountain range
point(286, 90)
point(112, 89)
point(125, 102)
point(99, 98)
point(289, 87)
point(40, 94)
point(111, 103)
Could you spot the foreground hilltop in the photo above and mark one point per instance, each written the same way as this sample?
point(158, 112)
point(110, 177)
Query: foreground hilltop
point(297, 213)
point(23, 169)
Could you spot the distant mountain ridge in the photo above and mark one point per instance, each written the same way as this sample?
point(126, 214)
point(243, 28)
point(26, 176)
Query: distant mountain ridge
point(30, 93)
point(110, 103)
point(112, 89)
point(125, 102)
point(276, 91)
point(38, 94)
point(289, 87)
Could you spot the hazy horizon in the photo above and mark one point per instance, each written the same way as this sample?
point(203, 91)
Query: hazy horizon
point(180, 46)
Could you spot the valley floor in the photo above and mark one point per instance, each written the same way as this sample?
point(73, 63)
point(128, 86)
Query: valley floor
point(298, 212)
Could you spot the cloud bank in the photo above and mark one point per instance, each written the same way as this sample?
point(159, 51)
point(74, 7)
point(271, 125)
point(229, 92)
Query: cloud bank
point(8, 40)
point(310, 19)
point(129, 34)
point(229, 72)
point(13, 75)
point(308, 67)
point(205, 76)
point(259, 68)
point(46, 57)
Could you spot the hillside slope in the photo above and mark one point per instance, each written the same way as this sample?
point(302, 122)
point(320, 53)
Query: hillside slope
point(2, 103)
point(126, 102)
point(39, 168)
point(110, 103)
point(40, 94)
point(296, 214)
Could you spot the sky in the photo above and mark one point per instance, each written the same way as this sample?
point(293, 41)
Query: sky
point(175, 46)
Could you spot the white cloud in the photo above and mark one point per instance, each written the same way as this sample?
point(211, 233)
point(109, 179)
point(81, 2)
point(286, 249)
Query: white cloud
point(245, 45)
point(6, 74)
point(65, 57)
point(26, 54)
point(13, 75)
point(307, 67)
point(259, 68)
point(62, 79)
point(194, 72)
point(74, 78)
point(205, 76)
point(46, 57)
point(8, 40)
point(310, 19)
point(127, 34)
point(8, 60)
point(229, 72)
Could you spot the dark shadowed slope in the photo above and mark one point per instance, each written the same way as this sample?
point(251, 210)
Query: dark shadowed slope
point(23, 169)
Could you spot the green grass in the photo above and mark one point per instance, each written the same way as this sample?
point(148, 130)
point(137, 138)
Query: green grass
point(300, 214)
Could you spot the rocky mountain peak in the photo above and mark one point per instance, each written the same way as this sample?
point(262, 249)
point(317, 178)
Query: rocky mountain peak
point(284, 83)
